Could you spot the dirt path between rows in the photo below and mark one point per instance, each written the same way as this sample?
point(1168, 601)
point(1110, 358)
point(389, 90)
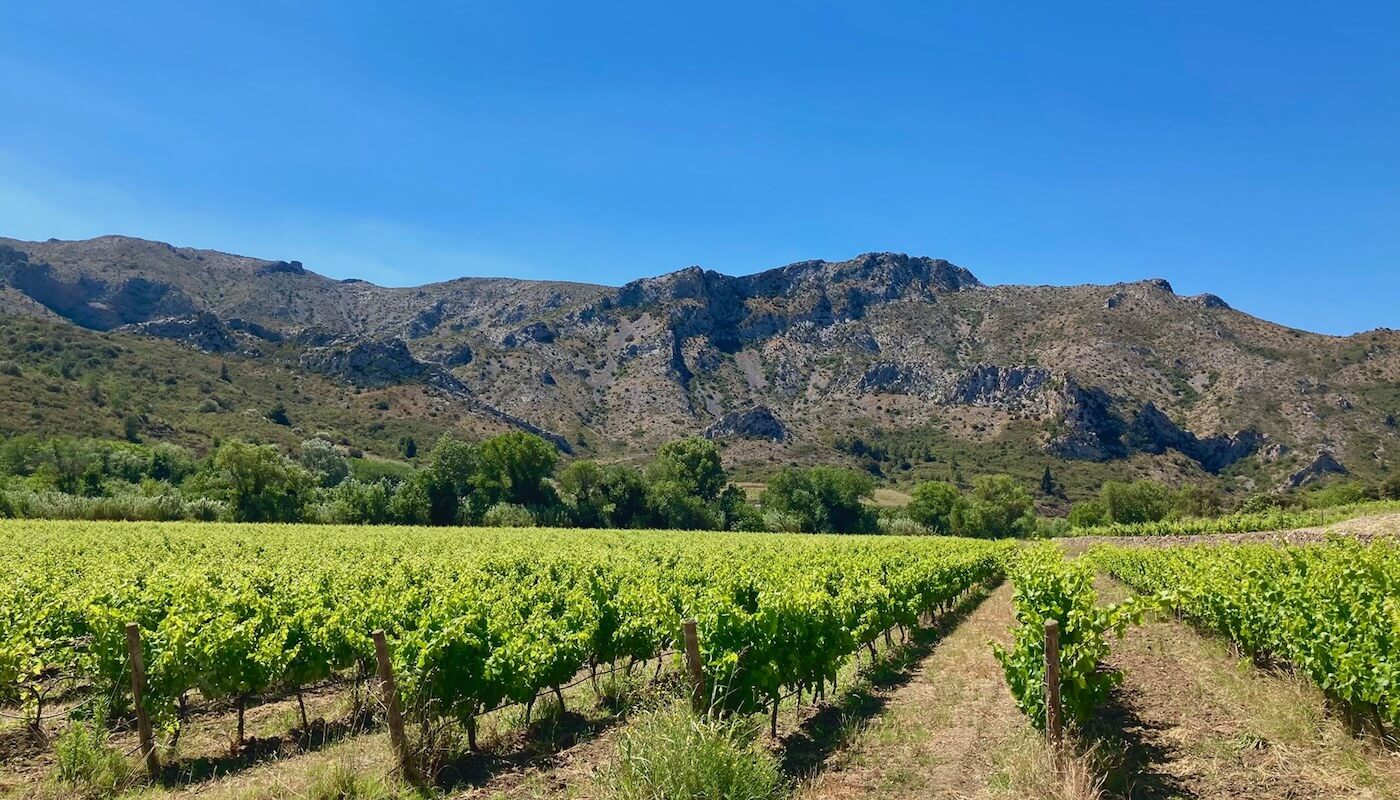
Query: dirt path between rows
point(947, 733)
point(1193, 721)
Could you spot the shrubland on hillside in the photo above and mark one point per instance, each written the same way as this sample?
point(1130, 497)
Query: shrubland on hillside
point(909, 367)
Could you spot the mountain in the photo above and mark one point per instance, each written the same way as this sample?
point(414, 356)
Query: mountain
point(906, 366)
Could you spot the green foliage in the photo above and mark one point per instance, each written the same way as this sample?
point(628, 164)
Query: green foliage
point(998, 506)
point(1340, 493)
point(691, 466)
point(1329, 610)
point(259, 484)
point(1136, 502)
point(512, 468)
point(673, 753)
point(1389, 488)
point(1273, 518)
point(473, 617)
point(823, 499)
point(87, 765)
point(937, 506)
point(1049, 587)
point(321, 459)
point(448, 477)
point(508, 515)
point(1087, 513)
point(604, 497)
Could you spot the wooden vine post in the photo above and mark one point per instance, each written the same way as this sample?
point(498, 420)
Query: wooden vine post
point(391, 704)
point(138, 686)
point(1053, 721)
point(692, 663)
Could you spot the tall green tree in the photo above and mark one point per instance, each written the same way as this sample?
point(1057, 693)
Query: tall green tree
point(512, 468)
point(998, 506)
point(260, 484)
point(823, 499)
point(938, 506)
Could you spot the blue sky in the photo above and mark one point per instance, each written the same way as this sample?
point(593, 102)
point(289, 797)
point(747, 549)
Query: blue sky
point(1248, 149)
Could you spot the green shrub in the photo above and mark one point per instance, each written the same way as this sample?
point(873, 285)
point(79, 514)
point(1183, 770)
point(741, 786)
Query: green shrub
point(508, 515)
point(998, 506)
point(1087, 514)
point(1136, 502)
point(674, 753)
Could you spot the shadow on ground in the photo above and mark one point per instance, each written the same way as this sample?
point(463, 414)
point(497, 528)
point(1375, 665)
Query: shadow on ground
point(1131, 759)
point(803, 752)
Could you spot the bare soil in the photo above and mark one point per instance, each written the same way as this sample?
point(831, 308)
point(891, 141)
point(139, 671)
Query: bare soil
point(949, 732)
point(1193, 721)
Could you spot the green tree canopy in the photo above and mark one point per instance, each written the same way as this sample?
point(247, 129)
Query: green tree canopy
point(823, 499)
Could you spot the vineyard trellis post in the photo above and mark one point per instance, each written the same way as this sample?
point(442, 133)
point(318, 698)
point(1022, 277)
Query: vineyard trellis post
point(138, 684)
point(1053, 722)
point(692, 663)
point(390, 691)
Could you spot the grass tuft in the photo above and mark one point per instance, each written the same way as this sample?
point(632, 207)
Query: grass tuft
point(672, 752)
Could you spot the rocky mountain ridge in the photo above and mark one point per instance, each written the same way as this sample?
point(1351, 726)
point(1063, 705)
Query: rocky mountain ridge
point(781, 364)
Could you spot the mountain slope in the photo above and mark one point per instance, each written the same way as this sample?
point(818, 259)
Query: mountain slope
point(908, 366)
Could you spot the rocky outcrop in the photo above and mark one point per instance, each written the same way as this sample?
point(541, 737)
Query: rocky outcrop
point(1208, 300)
point(890, 378)
point(992, 386)
point(758, 422)
point(202, 331)
point(537, 332)
point(254, 329)
point(366, 363)
point(91, 302)
point(1152, 431)
point(1090, 427)
point(1323, 465)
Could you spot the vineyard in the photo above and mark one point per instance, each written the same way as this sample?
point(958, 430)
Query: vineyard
point(474, 621)
point(1330, 611)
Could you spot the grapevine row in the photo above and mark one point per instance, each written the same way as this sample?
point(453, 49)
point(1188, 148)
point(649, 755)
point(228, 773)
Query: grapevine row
point(1331, 610)
point(475, 617)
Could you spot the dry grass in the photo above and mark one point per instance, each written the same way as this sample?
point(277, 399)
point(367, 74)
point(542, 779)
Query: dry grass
point(1195, 720)
point(953, 731)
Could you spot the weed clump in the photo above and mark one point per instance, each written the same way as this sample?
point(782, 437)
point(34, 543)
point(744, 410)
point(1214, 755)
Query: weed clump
point(671, 752)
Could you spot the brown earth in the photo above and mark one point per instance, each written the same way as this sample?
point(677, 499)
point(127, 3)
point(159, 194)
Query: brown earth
point(1192, 721)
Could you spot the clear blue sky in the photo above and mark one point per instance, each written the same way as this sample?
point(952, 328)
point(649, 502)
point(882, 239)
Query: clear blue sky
point(1249, 149)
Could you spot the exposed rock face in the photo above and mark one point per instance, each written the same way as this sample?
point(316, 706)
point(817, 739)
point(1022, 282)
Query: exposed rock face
point(365, 363)
point(891, 378)
point(1325, 464)
point(1208, 300)
point(734, 311)
point(660, 358)
point(254, 329)
point(1092, 428)
point(1153, 432)
point(458, 356)
point(202, 331)
point(534, 332)
point(992, 386)
point(758, 422)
